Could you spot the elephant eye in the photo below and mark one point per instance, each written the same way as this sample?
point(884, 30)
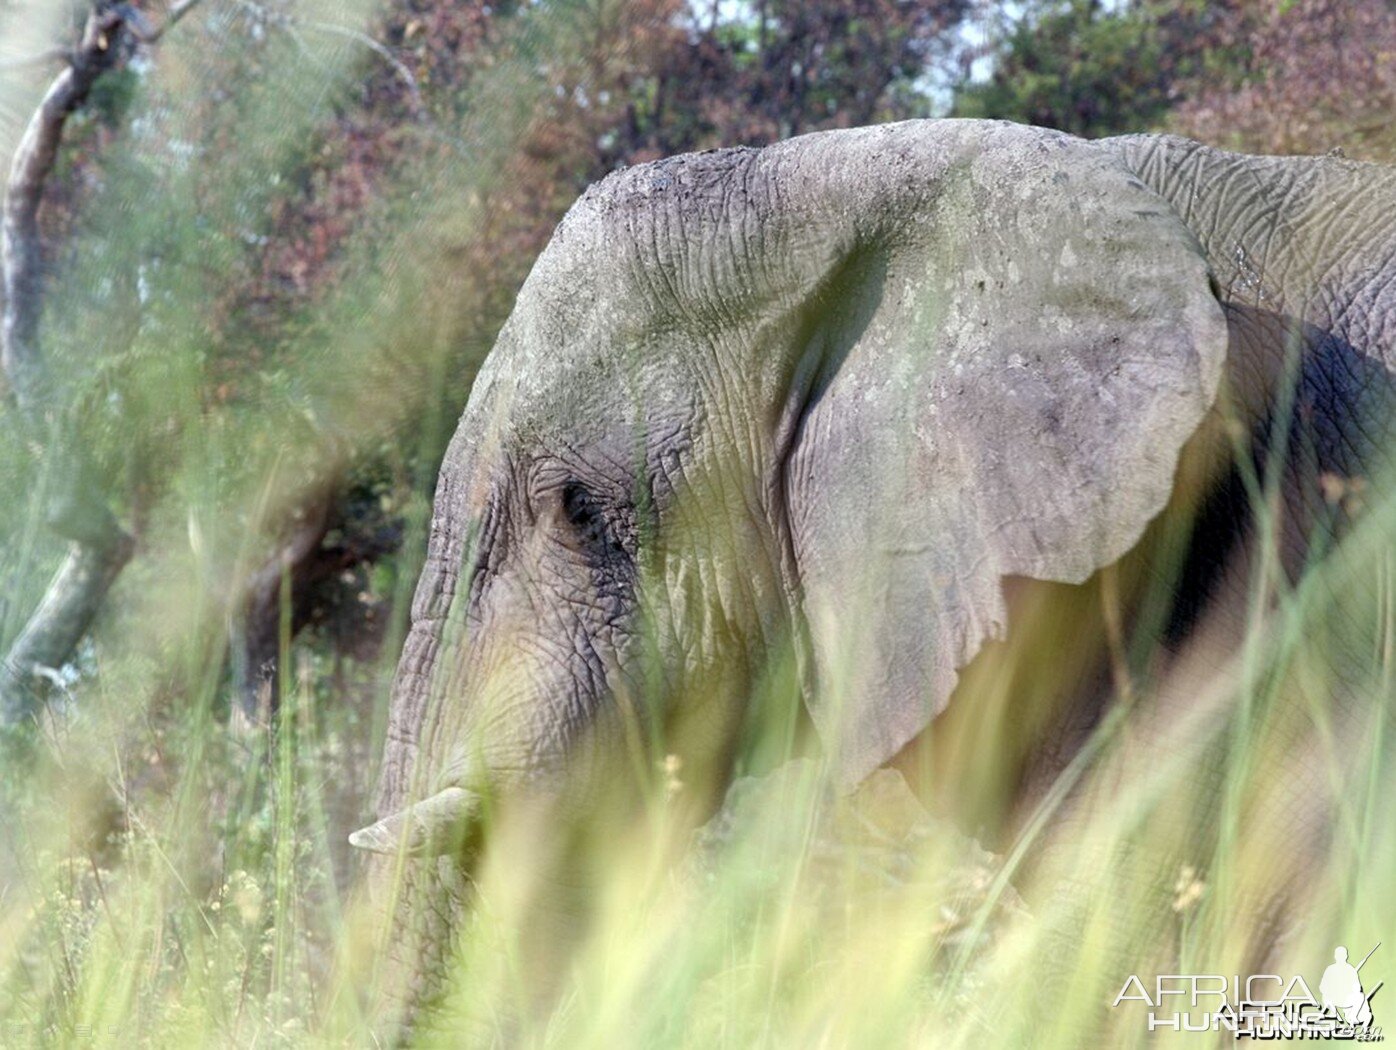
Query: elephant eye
point(583, 514)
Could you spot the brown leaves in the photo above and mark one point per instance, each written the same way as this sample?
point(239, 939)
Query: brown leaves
point(1320, 74)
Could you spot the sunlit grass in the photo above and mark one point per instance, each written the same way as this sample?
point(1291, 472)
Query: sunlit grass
point(224, 911)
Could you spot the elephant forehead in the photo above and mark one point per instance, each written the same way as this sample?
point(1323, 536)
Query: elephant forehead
point(607, 415)
point(574, 365)
point(664, 259)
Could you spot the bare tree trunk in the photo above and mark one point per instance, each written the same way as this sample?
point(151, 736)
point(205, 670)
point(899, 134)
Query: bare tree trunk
point(257, 639)
point(57, 625)
point(78, 510)
point(295, 575)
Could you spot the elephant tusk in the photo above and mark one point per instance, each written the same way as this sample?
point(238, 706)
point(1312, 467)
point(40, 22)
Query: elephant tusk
point(431, 828)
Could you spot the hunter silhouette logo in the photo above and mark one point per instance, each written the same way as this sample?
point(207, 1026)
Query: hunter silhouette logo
point(1261, 1006)
point(1341, 989)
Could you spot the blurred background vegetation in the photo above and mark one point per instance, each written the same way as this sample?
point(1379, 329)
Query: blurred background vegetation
point(276, 243)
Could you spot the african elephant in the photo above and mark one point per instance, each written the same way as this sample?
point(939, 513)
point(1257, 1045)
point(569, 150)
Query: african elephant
point(850, 397)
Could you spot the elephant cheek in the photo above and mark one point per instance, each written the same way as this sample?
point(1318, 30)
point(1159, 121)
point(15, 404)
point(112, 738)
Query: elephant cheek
point(704, 661)
point(489, 712)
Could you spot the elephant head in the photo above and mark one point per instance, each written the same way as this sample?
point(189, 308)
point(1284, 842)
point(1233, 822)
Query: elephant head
point(827, 396)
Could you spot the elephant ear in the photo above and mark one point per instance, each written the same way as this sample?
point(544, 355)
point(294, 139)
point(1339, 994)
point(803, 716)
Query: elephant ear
point(1007, 374)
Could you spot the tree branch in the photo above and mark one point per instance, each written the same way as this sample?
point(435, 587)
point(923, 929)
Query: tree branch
point(78, 512)
point(305, 564)
point(21, 251)
point(289, 25)
point(172, 16)
point(405, 74)
point(47, 641)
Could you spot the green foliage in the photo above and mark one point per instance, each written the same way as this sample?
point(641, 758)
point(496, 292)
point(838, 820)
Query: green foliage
point(1079, 66)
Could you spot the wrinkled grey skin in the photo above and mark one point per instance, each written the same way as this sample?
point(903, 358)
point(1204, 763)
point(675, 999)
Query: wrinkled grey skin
point(831, 395)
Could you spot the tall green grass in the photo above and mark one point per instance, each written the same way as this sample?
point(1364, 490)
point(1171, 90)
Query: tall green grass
point(173, 880)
